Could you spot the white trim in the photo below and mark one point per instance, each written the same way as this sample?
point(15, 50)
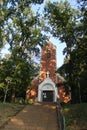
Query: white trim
point(47, 85)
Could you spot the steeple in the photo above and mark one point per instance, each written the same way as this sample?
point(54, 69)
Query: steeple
point(48, 61)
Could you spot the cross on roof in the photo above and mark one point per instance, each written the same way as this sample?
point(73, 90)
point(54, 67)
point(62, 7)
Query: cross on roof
point(48, 74)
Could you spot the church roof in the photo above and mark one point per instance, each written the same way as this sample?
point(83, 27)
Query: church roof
point(60, 77)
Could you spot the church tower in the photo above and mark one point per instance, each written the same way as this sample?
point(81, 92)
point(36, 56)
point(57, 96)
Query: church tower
point(48, 62)
point(47, 90)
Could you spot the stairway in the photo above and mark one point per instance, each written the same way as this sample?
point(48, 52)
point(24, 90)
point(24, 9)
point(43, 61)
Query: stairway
point(40, 116)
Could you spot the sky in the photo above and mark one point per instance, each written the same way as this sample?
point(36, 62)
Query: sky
point(60, 46)
point(59, 51)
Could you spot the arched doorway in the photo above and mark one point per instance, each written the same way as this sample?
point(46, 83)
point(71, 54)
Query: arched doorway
point(47, 91)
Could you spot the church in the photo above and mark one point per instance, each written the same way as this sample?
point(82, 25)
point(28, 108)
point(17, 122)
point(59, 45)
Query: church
point(44, 87)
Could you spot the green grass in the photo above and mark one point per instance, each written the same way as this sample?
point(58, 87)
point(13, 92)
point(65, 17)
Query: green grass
point(75, 116)
point(7, 110)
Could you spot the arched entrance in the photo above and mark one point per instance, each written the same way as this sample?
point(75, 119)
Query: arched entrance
point(47, 91)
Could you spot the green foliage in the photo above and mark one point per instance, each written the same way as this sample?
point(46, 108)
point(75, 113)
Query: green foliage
point(21, 73)
point(1, 85)
point(62, 18)
point(69, 25)
point(20, 29)
point(74, 116)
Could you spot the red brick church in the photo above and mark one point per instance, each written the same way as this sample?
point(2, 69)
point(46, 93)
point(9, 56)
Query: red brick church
point(44, 85)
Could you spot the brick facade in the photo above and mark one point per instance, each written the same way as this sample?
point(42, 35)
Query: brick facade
point(48, 68)
point(48, 62)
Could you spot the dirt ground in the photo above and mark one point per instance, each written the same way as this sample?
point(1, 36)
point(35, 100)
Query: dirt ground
point(39, 116)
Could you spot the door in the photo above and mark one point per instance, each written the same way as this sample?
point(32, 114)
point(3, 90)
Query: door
point(48, 96)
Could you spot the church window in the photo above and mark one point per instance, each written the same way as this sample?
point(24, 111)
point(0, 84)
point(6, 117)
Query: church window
point(48, 54)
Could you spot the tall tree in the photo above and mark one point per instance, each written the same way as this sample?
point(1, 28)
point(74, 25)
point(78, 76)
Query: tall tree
point(20, 29)
point(62, 19)
point(65, 23)
point(82, 5)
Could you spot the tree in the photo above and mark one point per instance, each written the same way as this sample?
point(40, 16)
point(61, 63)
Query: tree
point(8, 80)
point(20, 29)
point(66, 24)
point(82, 5)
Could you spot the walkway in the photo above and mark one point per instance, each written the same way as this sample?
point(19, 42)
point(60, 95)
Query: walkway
point(34, 117)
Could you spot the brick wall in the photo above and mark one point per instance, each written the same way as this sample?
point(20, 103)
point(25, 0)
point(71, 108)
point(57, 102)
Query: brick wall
point(48, 62)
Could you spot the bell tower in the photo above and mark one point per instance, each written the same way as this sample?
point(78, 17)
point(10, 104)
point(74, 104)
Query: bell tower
point(48, 62)
point(47, 90)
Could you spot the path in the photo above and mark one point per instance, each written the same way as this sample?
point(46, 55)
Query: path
point(35, 117)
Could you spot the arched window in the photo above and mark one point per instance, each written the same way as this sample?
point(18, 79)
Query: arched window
point(48, 53)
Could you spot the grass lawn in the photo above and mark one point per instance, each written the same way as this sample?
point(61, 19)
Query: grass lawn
point(7, 110)
point(75, 116)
